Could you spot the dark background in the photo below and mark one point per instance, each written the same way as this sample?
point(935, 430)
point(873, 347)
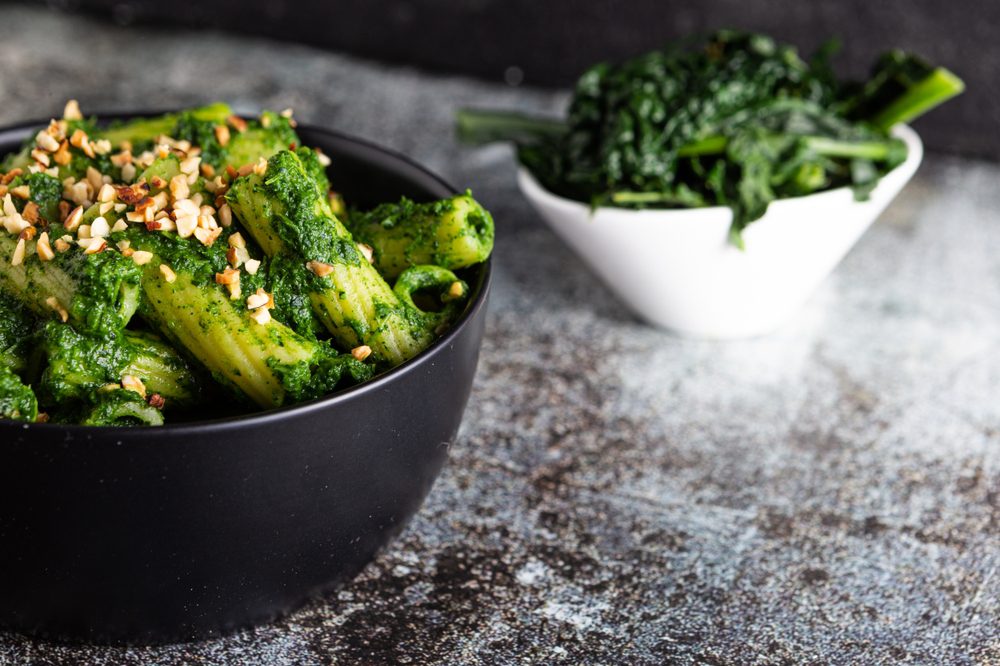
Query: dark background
point(547, 43)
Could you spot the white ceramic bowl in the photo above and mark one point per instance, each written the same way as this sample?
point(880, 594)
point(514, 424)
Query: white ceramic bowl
point(677, 269)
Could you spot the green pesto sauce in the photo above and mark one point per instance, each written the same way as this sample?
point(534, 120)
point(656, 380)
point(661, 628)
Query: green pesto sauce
point(79, 365)
point(17, 400)
point(121, 408)
point(303, 228)
point(45, 192)
point(326, 371)
point(101, 281)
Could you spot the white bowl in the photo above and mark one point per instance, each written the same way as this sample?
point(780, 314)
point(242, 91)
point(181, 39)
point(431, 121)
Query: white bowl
point(677, 269)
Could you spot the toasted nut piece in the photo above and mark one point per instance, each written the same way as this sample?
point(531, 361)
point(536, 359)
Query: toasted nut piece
point(124, 244)
point(128, 252)
point(367, 251)
point(156, 401)
point(21, 191)
point(456, 290)
point(46, 141)
point(252, 266)
point(260, 168)
point(133, 194)
point(17, 258)
point(362, 352)
point(95, 178)
point(207, 236)
point(53, 303)
point(83, 232)
point(168, 273)
point(99, 228)
point(207, 170)
point(229, 276)
point(179, 188)
point(72, 111)
point(44, 248)
point(234, 291)
point(11, 175)
point(190, 165)
point(133, 383)
point(225, 215)
point(237, 123)
point(186, 224)
point(61, 245)
point(40, 156)
point(119, 225)
point(15, 224)
point(157, 183)
point(30, 212)
point(80, 140)
point(258, 299)
point(27, 233)
point(261, 315)
point(324, 159)
point(237, 240)
point(122, 158)
point(102, 146)
point(245, 170)
point(62, 156)
point(63, 210)
point(222, 135)
point(96, 245)
point(106, 193)
point(265, 121)
point(128, 173)
point(319, 268)
point(73, 219)
point(141, 257)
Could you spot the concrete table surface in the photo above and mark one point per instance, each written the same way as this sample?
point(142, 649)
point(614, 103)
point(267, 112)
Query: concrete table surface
point(829, 494)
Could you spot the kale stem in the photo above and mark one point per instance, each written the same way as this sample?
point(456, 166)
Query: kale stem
point(878, 151)
point(477, 126)
point(937, 87)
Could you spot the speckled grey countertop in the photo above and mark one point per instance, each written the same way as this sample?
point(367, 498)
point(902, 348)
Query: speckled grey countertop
point(829, 494)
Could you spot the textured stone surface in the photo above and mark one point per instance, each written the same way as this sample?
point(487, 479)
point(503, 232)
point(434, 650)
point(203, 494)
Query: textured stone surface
point(829, 494)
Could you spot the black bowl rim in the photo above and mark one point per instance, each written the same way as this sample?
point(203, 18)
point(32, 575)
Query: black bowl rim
point(477, 302)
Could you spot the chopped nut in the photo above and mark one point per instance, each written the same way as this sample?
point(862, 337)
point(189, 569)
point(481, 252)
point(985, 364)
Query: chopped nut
point(222, 135)
point(237, 240)
point(207, 170)
point(179, 188)
point(324, 159)
point(73, 219)
point(11, 175)
point(157, 183)
point(319, 268)
point(46, 142)
point(30, 212)
point(168, 273)
point(156, 401)
point(107, 193)
point(83, 232)
point(62, 156)
point(21, 191)
point(95, 178)
point(105, 207)
point(102, 146)
point(186, 224)
point(190, 165)
point(207, 236)
point(122, 158)
point(124, 244)
point(15, 224)
point(128, 252)
point(456, 290)
point(252, 266)
point(27, 233)
point(128, 172)
point(99, 228)
point(265, 121)
point(53, 303)
point(141, 257)
point(258, 299)
point(96, 245)
point(40, 156)
point(260, 168)
point(61, 245)
point(80, 140)
point(44, 248)
point(367, 251)
point(17, 258)
point(72, 110)
point(133, 383)
point(261, 315)
point(362, 352)
point(119, 225)
point(225, 215)
point(237, 123)
point(133, 194)
point(229, 276)
point(245, 170)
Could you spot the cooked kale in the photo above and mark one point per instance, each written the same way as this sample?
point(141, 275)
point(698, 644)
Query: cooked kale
point(736, 120)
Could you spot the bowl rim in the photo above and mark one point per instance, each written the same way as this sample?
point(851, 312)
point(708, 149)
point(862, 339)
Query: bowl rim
point(533, 189)
point(476, 303)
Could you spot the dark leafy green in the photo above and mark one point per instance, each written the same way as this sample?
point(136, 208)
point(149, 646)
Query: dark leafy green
point(737, 120)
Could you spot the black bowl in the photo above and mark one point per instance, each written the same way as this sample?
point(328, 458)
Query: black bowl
point(148, 535)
